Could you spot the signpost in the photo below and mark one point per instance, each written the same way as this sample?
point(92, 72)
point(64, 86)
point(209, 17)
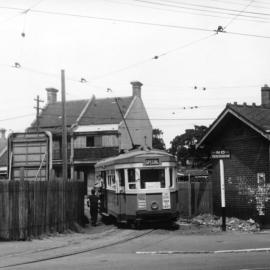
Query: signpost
point(222, 154)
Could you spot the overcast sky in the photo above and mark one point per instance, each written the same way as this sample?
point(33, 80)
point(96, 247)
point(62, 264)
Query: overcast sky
point(110, 43)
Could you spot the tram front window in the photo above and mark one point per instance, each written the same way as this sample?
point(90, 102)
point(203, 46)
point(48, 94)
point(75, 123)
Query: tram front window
point(151, 179)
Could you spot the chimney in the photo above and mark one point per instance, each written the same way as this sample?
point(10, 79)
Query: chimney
point(136, 88)
point(2, 134)
point(265, 94)
point(51, 95)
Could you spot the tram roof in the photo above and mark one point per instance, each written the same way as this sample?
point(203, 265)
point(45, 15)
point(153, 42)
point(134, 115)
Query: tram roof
point(134, 156)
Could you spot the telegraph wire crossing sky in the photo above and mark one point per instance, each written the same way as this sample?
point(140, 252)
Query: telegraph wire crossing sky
point(192, 57)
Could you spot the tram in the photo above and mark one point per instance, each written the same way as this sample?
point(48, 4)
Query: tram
point(139, 185)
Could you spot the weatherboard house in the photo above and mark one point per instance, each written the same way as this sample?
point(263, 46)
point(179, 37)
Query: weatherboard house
point(243, 132)
point(97, 128)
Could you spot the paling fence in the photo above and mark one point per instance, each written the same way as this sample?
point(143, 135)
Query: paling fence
point(195, 198)
point(31, 208)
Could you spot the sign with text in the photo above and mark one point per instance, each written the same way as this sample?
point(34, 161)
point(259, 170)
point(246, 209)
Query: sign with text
point(220, 154)
point(141, 201)
point(166, 200)
point(151, 162)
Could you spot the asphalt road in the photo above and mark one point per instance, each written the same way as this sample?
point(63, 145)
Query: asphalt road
point(126, 255)
point(117, 261)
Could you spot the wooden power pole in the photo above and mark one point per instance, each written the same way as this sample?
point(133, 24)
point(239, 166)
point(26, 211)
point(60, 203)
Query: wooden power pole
point(64, 127)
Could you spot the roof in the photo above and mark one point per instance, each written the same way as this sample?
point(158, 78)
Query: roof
point(51, 115)
point(134, 155)
point(105, 111)
point(84, 112)
point(95, 128)
point(256, 117)
point(194, 172)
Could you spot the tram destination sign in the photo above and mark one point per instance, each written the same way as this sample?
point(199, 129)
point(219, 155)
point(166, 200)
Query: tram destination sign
point(151, 162)
point(220, 154)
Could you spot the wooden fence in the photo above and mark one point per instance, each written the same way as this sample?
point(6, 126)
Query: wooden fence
point(195, 198)
point(31, 208)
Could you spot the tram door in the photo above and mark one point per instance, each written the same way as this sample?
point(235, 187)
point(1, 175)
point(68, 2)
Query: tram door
point(122, 193)
point(104, 199)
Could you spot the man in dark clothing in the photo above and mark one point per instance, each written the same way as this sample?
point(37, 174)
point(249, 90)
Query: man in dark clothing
point(93, 201)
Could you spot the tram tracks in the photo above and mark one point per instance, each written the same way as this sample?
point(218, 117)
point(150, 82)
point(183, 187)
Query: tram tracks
point(48, 257)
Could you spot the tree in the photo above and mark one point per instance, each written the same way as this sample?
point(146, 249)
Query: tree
point(184, 147)
point(158, 142)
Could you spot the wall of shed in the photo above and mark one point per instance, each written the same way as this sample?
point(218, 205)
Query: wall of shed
point(139, 126)
point(245, 197)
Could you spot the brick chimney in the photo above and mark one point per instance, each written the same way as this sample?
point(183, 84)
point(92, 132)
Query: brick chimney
point(51, 95)
point(265, 95)
point(136, 88)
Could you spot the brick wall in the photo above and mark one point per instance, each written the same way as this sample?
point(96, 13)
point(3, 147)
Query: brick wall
point(249, 156)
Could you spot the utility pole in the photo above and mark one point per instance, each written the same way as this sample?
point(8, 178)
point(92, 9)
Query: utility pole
point(64, 127)
point(38, 100)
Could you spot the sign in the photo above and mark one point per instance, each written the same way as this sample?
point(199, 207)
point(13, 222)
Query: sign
point(141, 201)
point(152, 185)
point(166, 200)
point(220, 154)
point(151, 162)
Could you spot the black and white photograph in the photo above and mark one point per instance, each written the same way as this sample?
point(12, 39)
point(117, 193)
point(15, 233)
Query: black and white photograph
point(135, 134)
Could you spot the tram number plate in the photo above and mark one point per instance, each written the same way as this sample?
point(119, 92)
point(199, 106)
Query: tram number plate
point(151, 162)
point(166, 200)
point(141, 201)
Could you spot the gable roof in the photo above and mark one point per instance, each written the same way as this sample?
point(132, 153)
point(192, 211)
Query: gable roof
point(256, 117)
point(83, 112)
point(105, 111)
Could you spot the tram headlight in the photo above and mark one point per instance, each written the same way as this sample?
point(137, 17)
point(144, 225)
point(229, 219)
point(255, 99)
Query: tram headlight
point(154, 206)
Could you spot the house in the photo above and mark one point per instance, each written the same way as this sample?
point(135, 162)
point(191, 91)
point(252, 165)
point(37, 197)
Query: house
point(3, 154)
point(244, 131)
point(97, 128)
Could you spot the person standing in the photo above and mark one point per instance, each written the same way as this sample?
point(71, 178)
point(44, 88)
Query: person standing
point(93, 202)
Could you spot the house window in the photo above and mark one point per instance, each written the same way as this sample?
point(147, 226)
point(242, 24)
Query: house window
point(90, 141)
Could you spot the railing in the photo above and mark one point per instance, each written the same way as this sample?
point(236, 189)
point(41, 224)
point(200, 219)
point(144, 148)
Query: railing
point(95, 153)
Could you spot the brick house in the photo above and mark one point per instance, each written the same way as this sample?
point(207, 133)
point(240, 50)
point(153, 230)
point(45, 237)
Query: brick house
point(244, 130)
point(96, 129)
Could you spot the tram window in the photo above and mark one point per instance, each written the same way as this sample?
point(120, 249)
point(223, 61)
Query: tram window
point(154, 178)
point(131, 179)
point(121, 176)
point(111, 179)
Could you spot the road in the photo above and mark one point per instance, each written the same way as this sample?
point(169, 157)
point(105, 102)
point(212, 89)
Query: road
point(139, 252)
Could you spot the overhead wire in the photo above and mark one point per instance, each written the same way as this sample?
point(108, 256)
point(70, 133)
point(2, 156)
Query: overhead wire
point(172, 26)
point(239, 14)
point(216, 10)
point(213, 15)
point(236, 11)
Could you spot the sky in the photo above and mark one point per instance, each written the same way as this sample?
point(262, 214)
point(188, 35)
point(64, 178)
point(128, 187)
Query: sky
point(189, 71)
